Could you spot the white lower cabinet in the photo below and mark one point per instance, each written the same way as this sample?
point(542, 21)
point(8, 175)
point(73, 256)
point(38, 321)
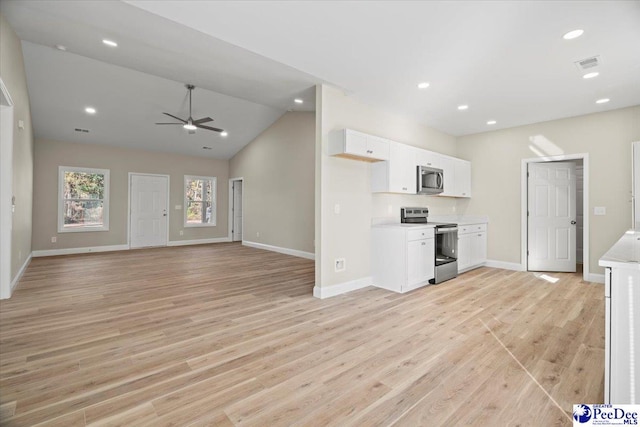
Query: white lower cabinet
point(402, 257)
point(472, 246)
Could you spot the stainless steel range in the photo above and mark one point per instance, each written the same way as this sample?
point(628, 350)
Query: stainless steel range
point(446, 242)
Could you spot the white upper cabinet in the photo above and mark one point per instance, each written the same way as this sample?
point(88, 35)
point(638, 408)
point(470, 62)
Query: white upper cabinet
point(462, 178)
point(398, 174)
point(429, 158)
point(358, 145)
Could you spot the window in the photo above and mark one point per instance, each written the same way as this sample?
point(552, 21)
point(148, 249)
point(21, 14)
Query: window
point(83, 199)
point(199, 201)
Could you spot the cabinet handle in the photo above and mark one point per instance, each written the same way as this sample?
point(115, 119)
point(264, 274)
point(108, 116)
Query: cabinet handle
point(479, 235)
point(423, 243)
point(404, 188)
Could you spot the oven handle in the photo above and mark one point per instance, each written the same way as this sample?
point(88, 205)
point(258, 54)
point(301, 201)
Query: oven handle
point(446, 230)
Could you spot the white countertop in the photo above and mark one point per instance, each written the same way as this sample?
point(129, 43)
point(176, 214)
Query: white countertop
point(400, 225)
point(625, 253)
point(455, 219)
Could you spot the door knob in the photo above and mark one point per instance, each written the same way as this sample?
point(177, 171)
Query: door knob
point(573, 223)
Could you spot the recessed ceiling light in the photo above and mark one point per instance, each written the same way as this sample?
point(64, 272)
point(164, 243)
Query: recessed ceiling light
point(491, 122)
point(110, 43)
point(573, 34)
point(298, 101)
point(602, 101)
point(224, 133)
point(61, 47)
point(423, 85)
point(591, 75)
point(463, 107)
point(90, 110)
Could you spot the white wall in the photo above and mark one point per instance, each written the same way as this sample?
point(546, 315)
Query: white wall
point(278, 188)
point(496, 168)
point(347, 183)
point(13, 75)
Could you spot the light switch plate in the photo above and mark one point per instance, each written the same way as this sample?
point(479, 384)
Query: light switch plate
point(599, 210)
point(178, 207)
point(336, 209)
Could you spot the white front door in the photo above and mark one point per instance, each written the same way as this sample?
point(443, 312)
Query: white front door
point(149, 210)
point(552, 216)
point(237, 211)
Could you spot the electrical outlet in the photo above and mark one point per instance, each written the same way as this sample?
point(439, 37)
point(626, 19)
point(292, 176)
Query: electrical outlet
point(182, 232)
point(599, 210)
point(340, 264)
point(336, 209)
point(54, 239)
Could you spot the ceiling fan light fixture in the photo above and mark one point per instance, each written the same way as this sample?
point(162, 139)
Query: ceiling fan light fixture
point(189, 126)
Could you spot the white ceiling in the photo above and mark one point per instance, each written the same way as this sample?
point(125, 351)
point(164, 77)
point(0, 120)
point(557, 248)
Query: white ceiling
point(506, 60)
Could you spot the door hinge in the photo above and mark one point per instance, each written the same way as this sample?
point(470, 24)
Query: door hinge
point(527, 213)
point(527, 174)
point(527, 253)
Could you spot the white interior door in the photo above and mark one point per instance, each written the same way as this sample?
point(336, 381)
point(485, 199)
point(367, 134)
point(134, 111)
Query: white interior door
point(552, 216)
point(237, 211)
point(149, 210)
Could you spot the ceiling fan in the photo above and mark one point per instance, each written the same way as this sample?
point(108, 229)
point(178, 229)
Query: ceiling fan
point(190, 124)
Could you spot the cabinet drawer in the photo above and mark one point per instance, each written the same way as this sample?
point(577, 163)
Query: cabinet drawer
point(472, 228)
point(419, 234)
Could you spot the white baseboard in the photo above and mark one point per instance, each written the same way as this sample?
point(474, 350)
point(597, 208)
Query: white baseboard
point(341, 288)
point(504, 265)
point(198, 241)
point(73, 251)
point(596, 278)
point(16, 279)
point(286, 251)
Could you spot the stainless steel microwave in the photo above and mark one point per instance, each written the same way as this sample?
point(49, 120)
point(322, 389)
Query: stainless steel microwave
point(430, 180)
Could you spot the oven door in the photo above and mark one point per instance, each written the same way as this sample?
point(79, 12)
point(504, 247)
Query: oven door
point(446, 245)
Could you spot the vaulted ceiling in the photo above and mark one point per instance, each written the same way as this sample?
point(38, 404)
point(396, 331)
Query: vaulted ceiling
point(507, 61)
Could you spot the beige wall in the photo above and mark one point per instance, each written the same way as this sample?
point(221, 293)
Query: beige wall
point(347, 183)
point(120, 161)
point(496, 175)
point(278, 171)
point(14, 77)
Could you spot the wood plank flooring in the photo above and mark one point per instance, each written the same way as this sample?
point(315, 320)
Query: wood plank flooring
point(227, 335)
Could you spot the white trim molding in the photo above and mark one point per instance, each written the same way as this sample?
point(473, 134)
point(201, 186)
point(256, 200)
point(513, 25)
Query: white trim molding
point(85, 250)
point(341, 288)
point(197, 241)
point(230, 205)
point(286, 251)
point(16, 279)
point(504, 265)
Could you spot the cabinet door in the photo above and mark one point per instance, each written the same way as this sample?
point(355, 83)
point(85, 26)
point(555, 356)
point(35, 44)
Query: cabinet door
point(428, 158)
point(414, 262)
point(478, 248)
point(420, 263)
point(355, 143)
point(402, 169)
point(462, 178)
point(449, 174)
point(464, 251)
point(377, 148)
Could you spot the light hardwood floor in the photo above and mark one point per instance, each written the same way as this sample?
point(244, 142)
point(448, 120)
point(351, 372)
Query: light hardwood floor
point(228, 335)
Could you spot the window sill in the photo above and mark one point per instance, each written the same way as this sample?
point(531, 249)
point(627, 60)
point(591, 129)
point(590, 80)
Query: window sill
point(82, 229)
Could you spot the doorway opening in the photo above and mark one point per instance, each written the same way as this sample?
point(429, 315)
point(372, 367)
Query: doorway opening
point(578, 252)
point(148, 210)
point(6, 189)
point(236, 202)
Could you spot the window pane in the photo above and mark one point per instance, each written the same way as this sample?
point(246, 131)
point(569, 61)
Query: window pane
point(208, 191)
point(78, 213)
point(82, 185)
point(194, 213)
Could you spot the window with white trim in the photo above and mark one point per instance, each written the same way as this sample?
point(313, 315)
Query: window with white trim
point(199, 201)
point(83, 199)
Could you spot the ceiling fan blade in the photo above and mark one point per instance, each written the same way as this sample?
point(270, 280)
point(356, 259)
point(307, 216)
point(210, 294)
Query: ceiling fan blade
point(181, 124)
point(209, 128)
point(177, 118)
point(202, 120)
